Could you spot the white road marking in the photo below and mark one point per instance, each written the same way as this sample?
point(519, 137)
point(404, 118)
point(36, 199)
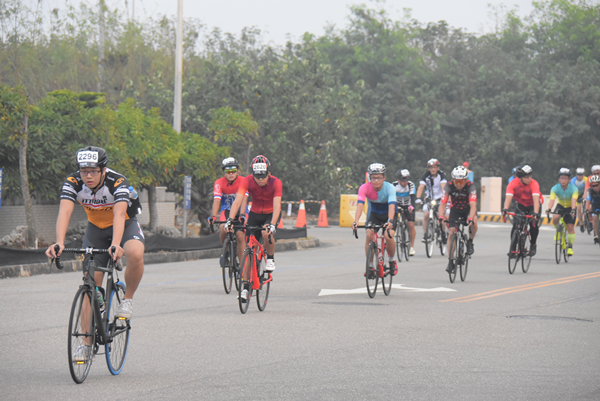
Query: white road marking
point(402, 287)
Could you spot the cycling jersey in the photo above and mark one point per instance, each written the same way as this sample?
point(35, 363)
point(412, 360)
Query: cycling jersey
point(262, 197)
point(460, 198)
point(523, 194)
point(594, 198)
point(226, 191)
point(405, 195)
point(580, 184)
point(379, 201)
point(433, 185)
point(564, 195)
point(99, 204)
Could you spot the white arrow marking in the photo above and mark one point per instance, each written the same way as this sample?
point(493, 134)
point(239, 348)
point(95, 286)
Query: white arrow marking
point(363, 290)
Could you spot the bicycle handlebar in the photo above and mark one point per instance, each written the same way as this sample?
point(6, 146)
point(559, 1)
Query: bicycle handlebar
point(256, 228)
point(85, 251)
point(372, 227)
point(518, 215)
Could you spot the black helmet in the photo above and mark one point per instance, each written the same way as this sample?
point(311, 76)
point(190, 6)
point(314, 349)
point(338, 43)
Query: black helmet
point(229, 162)
point(522, 171)
point(403, 174)
point(260, 166)
point(91, 156)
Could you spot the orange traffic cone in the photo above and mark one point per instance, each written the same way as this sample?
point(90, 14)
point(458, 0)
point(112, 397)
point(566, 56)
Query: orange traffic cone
point(323, 216)
point(280, 225)
point(301, 220)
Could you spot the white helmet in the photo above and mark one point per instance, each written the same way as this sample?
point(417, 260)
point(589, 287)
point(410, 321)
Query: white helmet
point(595, 167)
point(433, 162)
point(460, 173)
point(376, 168)
point(580, 170)
point(594, 178)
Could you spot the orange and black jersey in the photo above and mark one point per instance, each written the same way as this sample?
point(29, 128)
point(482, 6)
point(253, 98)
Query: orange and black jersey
point(99, 204)
point(459, 198)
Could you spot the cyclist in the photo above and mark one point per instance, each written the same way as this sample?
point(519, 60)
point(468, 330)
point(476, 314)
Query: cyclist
point(405, 198)
point(567, 195)
point(581, 182)
point(525, 191)
point(433, 181)
point(463, 204)
point(104, 194)
point(381, 196)
point(225, 190)
point(266, 191)
point(593, 202)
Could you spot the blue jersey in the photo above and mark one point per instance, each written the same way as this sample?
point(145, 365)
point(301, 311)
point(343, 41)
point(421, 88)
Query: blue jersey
point(379, 201)
point(564, 196)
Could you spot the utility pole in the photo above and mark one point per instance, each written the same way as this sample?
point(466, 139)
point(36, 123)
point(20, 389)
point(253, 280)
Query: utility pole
point(178, 68)
point(100, 45)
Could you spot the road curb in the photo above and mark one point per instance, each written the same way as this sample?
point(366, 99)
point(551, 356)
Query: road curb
point(149, 258)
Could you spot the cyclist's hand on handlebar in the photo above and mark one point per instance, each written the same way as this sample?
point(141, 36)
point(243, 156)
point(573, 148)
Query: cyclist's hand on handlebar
point(229, 224)
point(118, 252)
point(242, 220)
point(419, 201)
point(271, 229)
point(354, 226)
point(441, 219)
point(211, 220)
point(411, 208)
point(504, 211)
point(51, 252)
point(469, 221)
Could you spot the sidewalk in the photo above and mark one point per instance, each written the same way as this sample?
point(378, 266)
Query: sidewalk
point(149, 258)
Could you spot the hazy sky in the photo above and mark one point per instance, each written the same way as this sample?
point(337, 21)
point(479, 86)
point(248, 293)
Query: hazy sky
point(280, 18)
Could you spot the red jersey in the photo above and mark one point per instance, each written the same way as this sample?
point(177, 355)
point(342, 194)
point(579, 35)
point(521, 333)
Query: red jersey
point(459, 198)
point(226, 191)
point(523, 194)
point(262, 197)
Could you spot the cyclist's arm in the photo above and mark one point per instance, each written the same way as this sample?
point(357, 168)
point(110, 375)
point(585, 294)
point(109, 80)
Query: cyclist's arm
point(235, 207)
point(391, 211)
point(244, 204)
point(574, 200)
point(359, 209)
point(215, 207)
point(420, 191)
point(276, 209)
point(536, 203)
point(62, 225)
point(119, 215)
point(509, 199)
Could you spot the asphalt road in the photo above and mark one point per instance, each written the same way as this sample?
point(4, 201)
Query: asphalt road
point(496, 336)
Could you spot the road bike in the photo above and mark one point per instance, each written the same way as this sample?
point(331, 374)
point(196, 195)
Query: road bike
point(587, 223)
point(520, 242)
point(89, 326)
point(402, 236)
point(458, 250)
point(255, 259)
point(377, 252)
point(435, 234)
point(561, 245)
point(230, 264)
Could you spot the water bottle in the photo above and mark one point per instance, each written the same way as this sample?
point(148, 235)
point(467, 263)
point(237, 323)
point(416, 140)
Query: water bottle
point(100, 298)
point(132, 193)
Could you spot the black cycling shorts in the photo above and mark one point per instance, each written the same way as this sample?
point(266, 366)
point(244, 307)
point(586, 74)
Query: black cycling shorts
point(456, 214)
point(255, 219)
point(408, 215)
point(379, 218)
point(566, 213)
point(101, 238)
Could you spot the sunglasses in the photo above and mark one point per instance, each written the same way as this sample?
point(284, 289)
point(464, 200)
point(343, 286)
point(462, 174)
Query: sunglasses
point(93, 173)
point(595, 186)
point(230, 170)
point(459, 181)
point(260, 176)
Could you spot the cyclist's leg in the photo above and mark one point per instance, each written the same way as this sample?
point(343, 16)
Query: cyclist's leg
point(425, 219)
point(595, 223)
point(390, 243)
point(133, 244)
point(570, 222)
point(241, 244)
point(100, 239)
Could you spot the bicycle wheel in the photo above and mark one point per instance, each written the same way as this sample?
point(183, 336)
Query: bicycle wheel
point(399, 242)
point(429, 238)
point(262, 294)
point(558, 246)
point(439, 239)
point(246, 264)
point(118, 331)
point(454, 252)
point(227, 265)
point(525, 246)
point(464, 259)
point(371, 276)
point(514, 242)
point(82, 335)
point(405, 242)
point(386, 280)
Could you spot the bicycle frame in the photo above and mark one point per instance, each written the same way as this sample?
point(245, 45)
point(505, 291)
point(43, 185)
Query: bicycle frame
point(258, 253)
point(253, 254)
point(522, 222)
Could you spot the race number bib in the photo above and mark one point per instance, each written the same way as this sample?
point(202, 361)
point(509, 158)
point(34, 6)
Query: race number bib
point(259, 168)
point(87, 156)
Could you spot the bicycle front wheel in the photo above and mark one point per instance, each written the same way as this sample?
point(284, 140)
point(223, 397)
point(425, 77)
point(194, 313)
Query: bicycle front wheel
point(464, 258)
point(386, 279)
point(429, 238)
point(371, 275)
point(558, 246)
point(399, 242)
point(514, 244)
point(454, 252)
point(262, 294)
point(524, 251)
point(82, 335)
point(405, 243)
point(227, 265)
point(247, 259)
point(118, 332)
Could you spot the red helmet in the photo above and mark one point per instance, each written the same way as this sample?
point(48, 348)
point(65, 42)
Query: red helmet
point(261, 166)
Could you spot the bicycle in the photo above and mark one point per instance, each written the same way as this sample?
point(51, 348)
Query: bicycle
point(89, 326)
point(522, 239)
point(560, 238)
point(587, 223)
point(231, 271)
point(458, 247)
point(260, 280)
point(435, 235)
point(402, 237)
point(378, 251)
